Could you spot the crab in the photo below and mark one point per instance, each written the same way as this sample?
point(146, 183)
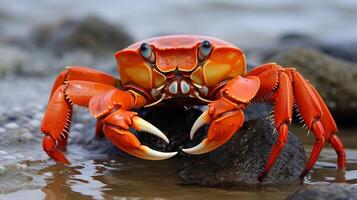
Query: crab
point(187, 70)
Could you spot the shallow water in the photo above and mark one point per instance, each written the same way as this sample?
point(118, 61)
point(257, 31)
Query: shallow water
point(29, 173)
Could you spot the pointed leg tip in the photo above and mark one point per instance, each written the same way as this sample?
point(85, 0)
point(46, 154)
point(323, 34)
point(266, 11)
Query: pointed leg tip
point(261, 177)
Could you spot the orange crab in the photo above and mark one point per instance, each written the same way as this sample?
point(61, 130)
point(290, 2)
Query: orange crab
point(188, 70)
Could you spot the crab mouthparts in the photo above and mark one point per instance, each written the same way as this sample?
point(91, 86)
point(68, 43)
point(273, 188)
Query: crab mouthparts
point(178, 86)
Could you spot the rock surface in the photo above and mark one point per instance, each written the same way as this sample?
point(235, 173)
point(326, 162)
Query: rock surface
point(334, 79)
point(91, 34)
point(238, 162)
point(332, 191)
point(241, 160)
point(90, 41)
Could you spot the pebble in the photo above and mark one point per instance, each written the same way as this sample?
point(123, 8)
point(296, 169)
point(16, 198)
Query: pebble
point(3, 152)
point(38, 116)
point(34, 123)
point(77, 127)
point(27, 135)
point(9, 157)
point(11, 126)
point(22, 166)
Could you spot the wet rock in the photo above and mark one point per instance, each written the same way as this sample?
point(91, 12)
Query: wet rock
point(91, 34)
point(334, 79)
point(331, 191)
point(241, 160)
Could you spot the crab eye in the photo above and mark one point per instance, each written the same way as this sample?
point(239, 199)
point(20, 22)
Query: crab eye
point(204, 50)
point(147, 52)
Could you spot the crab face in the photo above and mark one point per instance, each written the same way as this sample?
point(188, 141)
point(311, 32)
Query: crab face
point(179, 66)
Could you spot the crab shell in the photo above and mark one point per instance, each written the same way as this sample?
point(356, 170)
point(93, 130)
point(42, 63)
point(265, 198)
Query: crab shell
point(179, 54)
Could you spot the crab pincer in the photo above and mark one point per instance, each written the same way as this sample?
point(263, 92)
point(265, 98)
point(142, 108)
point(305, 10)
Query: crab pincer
point(113, 113)
point(116, 129)
point(225, 115)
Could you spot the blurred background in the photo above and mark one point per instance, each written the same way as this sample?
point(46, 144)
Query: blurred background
point(39, 38)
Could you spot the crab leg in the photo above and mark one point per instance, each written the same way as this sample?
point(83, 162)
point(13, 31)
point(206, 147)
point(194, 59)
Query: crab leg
point(276, 86)
point(311, 111)
point(82, 74)
point(283, 117)
point(101, 100)
point(330, 132)
point(85, 74)
point(57, 119)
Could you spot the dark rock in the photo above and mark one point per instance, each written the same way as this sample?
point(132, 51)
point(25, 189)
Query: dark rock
point(332, 191)
point(334, 79)
point(91, 34)
point(241, 160)
point(344, 51)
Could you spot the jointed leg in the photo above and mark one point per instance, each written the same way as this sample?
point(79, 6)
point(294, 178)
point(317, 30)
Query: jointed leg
point(283, 116)
point(331, 132)
point(312, 113)
point(109, 105)
point(82, 74)
point(57, 119)
point(275, 87)
point(340, 151)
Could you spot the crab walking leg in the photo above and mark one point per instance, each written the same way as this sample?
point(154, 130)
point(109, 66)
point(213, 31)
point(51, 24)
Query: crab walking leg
point(283, 117)
point(340, 151)
point(311, 111)
point(82, 74)
point(57, 119)
point(85, 74)
point(330, 132)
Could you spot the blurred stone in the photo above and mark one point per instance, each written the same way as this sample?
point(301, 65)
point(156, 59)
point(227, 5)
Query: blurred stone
point(334, 79)
point(344, 51)
point(91, 34)
point(331, 191)
point(11, 126)
point(241, 160)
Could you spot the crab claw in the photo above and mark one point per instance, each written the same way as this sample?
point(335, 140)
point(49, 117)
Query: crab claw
point(220, 130)
point(203, 119)
point(116, 129)
point(142, 125)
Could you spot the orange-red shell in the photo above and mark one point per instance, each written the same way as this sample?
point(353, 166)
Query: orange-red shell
point(179, 52)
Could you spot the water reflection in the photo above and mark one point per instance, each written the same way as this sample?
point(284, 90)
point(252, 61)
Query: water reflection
point(77, 181)
point(110, 177)
point(133, 178)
